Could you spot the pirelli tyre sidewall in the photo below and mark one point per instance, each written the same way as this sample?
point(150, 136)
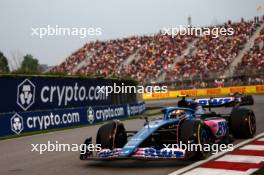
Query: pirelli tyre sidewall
point(112, 135)
point(194, 132)
point(242, 123)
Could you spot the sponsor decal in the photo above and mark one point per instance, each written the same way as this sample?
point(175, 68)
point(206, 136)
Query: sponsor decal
point(221, 128)
point(135, 109)
point(238, 89)
point(46, 93)
point(214, 101)
point(26, 94)
point(166, 152)
point(213, 91)
point(259, 88)
point(161, 95)
point(189, 92)
point(64, 95)
point(17, 124)
point(90, 115)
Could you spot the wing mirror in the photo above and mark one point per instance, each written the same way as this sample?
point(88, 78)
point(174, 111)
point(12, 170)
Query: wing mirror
point(145, 117)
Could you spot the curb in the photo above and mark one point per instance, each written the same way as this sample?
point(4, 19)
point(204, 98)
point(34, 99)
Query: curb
point(202, 162)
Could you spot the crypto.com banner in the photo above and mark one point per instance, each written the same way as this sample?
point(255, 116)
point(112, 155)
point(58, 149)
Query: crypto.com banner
point(21, 122)
point(41, 93)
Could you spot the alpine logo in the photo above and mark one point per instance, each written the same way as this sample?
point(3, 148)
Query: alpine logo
point(16, 123)
point(26, 94)
point(90, 115)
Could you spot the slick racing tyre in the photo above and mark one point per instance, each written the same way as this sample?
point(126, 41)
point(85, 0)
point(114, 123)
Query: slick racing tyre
point(242, 123)
point(195, 132)
point(112, 135)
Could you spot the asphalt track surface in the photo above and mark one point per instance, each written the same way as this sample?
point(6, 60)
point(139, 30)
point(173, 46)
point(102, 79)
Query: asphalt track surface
point(16, 156)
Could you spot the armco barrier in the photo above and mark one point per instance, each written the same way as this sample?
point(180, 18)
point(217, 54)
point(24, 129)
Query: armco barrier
point(259, 89)
point(22, 122)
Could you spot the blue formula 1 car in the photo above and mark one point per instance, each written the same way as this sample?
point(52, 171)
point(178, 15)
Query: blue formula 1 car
point(189, 123)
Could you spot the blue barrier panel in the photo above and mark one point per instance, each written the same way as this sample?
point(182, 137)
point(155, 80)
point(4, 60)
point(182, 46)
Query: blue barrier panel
point(18, 93)
point(21, 122)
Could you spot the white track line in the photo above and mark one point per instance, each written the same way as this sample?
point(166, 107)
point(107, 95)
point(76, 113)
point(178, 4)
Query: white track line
point(262, 139)
point(241, 158)
point(194, 165)
point(210, 171)
point(253, 147)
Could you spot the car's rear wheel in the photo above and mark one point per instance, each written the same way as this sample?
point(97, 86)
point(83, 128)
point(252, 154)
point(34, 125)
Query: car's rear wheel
point(112, 135)
point(242, 123)
point(195, 132)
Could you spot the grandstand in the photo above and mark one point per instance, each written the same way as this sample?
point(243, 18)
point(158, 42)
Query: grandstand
point(253, 61)
point(202, 61)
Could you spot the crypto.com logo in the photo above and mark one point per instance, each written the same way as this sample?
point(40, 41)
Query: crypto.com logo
point(90, 115)
point(16, 124)
point(26, 94)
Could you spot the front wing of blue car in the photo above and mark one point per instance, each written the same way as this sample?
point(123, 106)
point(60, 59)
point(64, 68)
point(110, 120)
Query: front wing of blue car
point(140, 153)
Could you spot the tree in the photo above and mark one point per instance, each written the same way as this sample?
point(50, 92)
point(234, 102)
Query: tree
point(29, 64)
point(3, 63)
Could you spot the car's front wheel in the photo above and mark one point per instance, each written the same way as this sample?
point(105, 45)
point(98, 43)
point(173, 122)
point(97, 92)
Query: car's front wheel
point(112, 135)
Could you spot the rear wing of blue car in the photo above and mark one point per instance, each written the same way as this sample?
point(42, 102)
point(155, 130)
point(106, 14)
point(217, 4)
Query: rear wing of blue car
point(225, 101)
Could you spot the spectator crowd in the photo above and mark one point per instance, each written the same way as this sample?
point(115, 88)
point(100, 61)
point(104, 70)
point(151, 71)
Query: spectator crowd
point(146, 58)
point(214, 55)
point(156, 56)
point(253, 61)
